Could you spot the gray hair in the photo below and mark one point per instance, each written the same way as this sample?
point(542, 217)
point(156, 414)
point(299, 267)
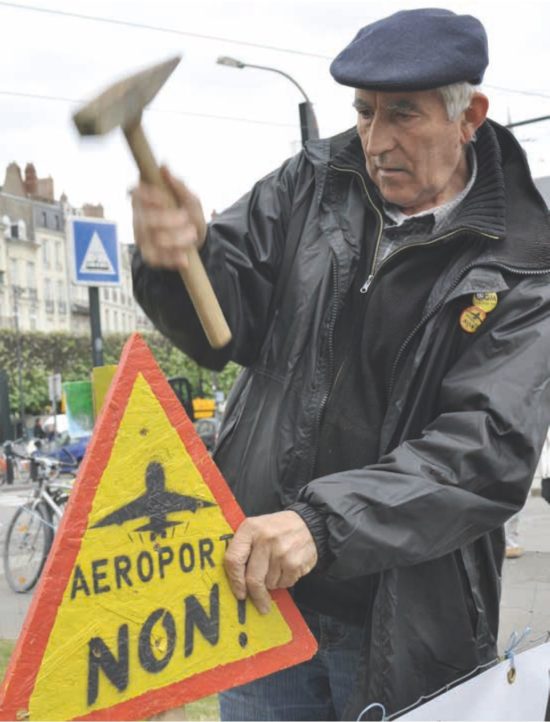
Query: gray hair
point(457, 98)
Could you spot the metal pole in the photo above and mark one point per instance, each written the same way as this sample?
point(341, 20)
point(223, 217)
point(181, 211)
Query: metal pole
point(95, 326)
point(308, 122)
point(279, 72)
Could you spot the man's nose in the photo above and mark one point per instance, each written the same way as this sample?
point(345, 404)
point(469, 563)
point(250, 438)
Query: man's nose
point(379, 137)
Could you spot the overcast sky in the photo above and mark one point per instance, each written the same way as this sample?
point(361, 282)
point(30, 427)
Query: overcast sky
point(217, 127)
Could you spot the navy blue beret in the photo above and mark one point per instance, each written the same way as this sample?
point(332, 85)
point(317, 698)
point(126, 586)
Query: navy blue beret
point(414, 50)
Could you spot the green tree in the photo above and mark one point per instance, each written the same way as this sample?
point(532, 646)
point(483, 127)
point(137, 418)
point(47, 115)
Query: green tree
point(45, 354)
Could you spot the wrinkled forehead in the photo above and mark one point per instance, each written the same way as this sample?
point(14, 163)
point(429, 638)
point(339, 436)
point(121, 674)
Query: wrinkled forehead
point(419, 101)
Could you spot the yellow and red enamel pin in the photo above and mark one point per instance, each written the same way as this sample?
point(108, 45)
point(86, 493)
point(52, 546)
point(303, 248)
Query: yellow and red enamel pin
point(473, 316)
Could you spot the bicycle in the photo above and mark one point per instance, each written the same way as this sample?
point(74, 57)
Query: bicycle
point(33, 526)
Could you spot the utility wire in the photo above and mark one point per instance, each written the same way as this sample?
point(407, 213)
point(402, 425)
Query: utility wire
point(217, 38)
point(73, 101)
point(160, 29)
point(528, 122)
point(536, 93)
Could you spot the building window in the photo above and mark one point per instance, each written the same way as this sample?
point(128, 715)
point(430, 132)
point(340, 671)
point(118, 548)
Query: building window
point(61, 301)
point(107, 320)
point(31, 275)
point(58, 261)
point(48, 295)
point(57, 223)
point(44, 219)
point(46, 252)
point(14, 271)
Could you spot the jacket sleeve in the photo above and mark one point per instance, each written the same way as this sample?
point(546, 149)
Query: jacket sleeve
point(467, 472)
point(242, 253)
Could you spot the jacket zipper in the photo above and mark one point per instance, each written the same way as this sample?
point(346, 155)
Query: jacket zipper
point(438, 306)
point(332, 323)
point(335, 276)
point(380, 223)
point(365, 287)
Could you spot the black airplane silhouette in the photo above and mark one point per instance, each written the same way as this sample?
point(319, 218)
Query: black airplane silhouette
point(156, 503)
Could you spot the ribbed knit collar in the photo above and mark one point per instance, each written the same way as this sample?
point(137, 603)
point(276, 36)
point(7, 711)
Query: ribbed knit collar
point(503, 206)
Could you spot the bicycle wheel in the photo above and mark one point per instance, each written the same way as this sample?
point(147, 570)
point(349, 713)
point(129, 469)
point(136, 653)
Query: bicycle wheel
point(26, 547)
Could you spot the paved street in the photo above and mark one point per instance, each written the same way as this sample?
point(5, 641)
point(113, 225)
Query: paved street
point(526, 581)
point(13, 607)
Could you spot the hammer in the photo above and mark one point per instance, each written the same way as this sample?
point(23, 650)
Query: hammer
point(122, 105)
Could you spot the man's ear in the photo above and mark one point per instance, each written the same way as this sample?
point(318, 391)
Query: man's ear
point(474, 116)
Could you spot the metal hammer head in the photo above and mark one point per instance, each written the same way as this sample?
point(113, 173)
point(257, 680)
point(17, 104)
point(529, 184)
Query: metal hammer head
point(123, 103)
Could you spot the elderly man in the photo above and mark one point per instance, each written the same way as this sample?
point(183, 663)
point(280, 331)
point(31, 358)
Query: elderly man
point(388, 295)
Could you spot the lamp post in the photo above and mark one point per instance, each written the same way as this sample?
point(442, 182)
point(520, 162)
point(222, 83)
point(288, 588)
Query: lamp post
point(308, 121)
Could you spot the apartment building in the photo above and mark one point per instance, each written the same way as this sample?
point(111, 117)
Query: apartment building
point(36, 290)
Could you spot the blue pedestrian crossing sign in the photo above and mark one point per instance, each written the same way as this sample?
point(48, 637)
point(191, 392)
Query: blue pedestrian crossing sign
point(95, 251)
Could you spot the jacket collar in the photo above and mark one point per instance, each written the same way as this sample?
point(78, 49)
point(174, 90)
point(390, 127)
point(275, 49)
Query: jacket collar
point(503, 206)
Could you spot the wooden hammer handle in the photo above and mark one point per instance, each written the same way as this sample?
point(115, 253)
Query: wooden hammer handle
point(194, 276)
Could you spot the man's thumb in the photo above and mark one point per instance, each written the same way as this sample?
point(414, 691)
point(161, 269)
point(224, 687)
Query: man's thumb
point(180, 191)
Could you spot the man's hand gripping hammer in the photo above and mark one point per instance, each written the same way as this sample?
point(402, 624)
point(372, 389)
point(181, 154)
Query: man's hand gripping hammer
point(122, 105)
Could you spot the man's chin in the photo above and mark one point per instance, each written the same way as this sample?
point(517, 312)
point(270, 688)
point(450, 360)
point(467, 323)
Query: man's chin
point(396, 198)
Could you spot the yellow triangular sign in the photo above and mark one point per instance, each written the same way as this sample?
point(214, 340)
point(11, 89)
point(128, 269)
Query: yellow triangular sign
point(134, 614)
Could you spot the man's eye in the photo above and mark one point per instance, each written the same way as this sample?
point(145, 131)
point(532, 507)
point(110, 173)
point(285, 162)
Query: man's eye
point(365, 114)
point(403, 116)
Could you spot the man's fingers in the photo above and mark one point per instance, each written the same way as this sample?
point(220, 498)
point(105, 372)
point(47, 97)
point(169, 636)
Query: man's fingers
point(188, 200)
point(247, 565)
point(153, 219)
point(178, 187)
point(256, 572)
point(150, 196)
point(274, 575)
point(293, 572)
point(235, 561)
point(165, 233)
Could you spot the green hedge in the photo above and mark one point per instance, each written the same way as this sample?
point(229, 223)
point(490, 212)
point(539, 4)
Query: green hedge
point(45, 354)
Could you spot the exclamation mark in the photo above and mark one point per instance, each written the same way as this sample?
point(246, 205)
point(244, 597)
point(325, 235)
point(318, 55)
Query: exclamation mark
point(241, 611)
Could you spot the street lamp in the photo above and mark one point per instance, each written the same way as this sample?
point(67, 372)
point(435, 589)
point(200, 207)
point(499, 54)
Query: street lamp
point(308, 121)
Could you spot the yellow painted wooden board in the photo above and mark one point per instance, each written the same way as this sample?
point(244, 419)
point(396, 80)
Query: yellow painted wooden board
point(134, 614)
point(101, 380)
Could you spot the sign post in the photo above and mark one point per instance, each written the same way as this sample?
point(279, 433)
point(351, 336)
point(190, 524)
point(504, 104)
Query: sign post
point(95, 256)
point(95, 326)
